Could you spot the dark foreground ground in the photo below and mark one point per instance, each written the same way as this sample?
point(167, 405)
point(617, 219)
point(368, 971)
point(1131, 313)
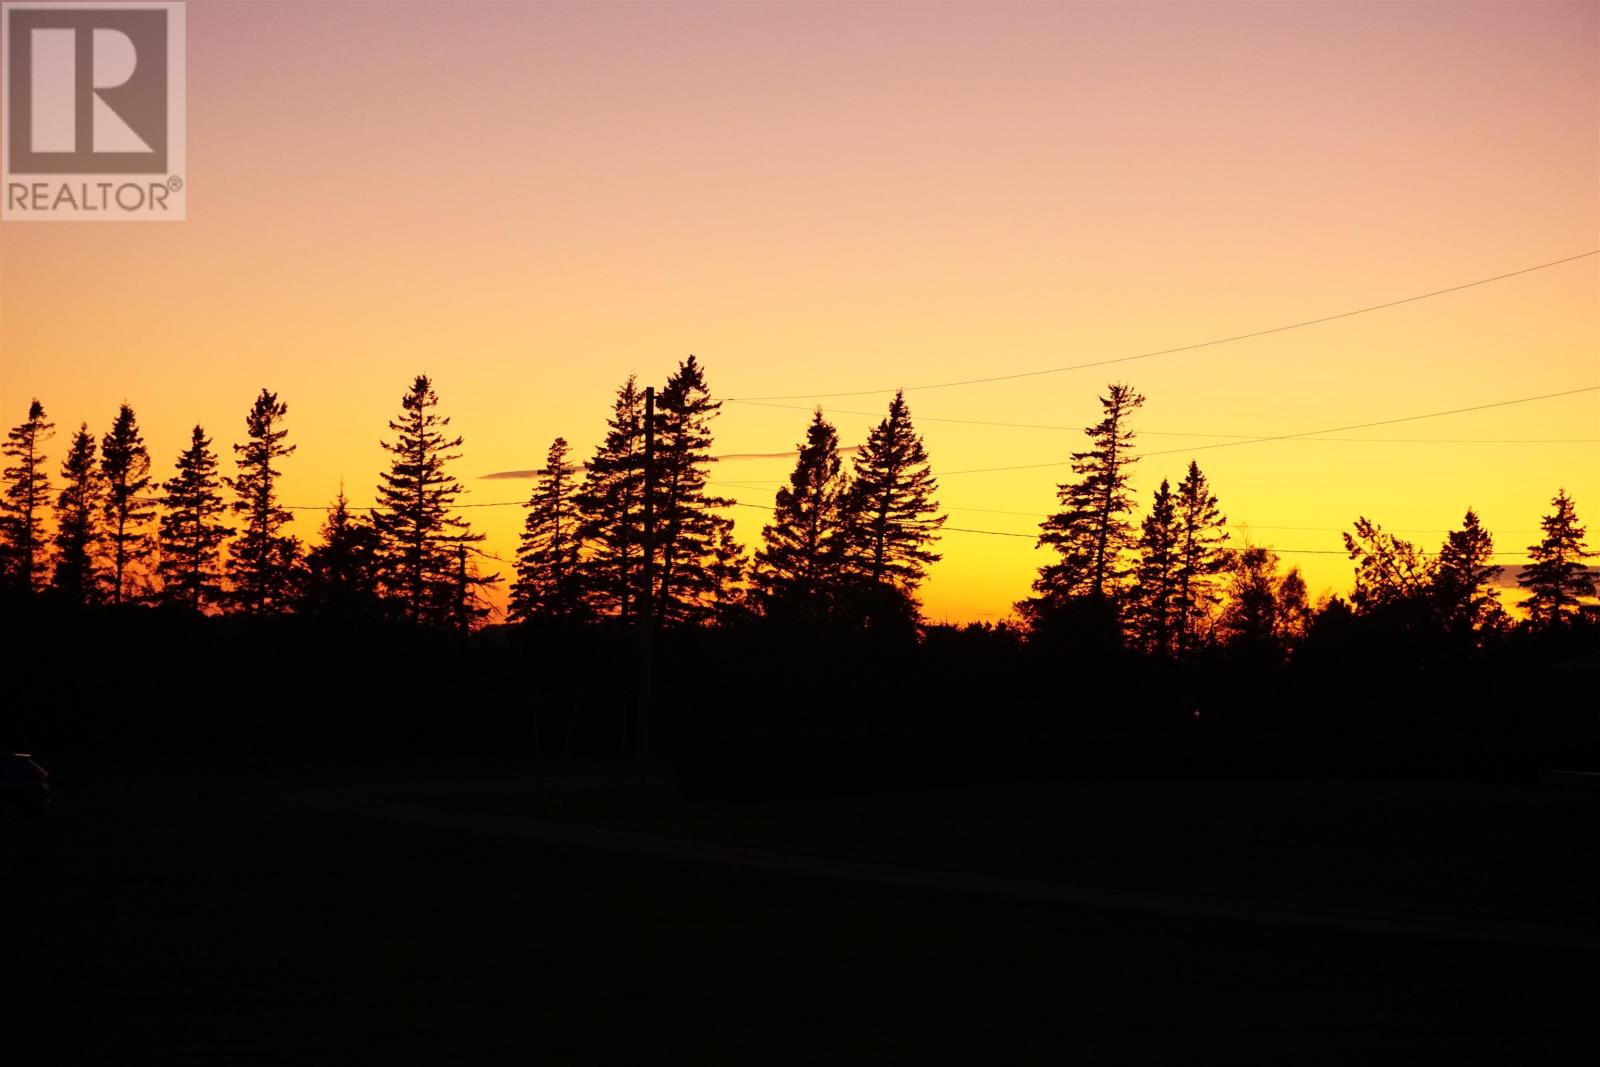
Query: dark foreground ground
point(178, 917)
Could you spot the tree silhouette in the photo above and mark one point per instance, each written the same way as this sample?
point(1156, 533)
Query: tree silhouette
point(78, 513)
point(611, 504)
point(729, 567)
point(797, 567)
point(1090, 532)
point(1202, 555)
point(690, 535)
point(125, 469)
point(1153, 614)
point(1463, 589)
point(421, 569)
point(27, 493)
point(547, 559)
point(1265, 610)
point(467, 605)
point(262, 562)
point(890, 513)
point(190, 533)
point(341, 573)
point(1557, 577)
point(1391, 572)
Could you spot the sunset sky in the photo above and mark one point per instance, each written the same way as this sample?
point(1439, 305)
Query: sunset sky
point(529, 201)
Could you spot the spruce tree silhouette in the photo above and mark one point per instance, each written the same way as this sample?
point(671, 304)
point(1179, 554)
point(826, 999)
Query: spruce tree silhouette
point(1091, 531)
point(1202, 556)
point(79, 508)
point(341, 572)
point(125, 470)
point(798, 566)
point(1153, 613)
point(547, 559)
point(1463, 583)
point(1557, 575)
point(190, 533)
point(22, 506)
point(610, 505)
point(694, 546)
point(421, 568)
point(262, 563)
point(890, 513)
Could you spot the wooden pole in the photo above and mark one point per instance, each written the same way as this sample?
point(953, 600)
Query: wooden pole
point(647, 598)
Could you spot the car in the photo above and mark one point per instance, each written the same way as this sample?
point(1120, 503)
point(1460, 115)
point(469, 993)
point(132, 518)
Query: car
point(24, 785)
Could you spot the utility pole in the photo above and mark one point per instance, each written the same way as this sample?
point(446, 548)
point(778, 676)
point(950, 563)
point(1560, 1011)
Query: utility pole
point(647, 599)
point(462, 589)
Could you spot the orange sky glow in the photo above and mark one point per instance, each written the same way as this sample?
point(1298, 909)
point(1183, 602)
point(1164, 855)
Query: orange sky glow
point(530, 201)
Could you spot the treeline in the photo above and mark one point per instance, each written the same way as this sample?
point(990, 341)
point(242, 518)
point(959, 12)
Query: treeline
point(847, 547)
point(1172, 585)
point(1148, 632)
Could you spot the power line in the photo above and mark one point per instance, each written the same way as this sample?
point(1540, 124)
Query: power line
point(1180, 348)
point(1303, 433)
point(1229, 436)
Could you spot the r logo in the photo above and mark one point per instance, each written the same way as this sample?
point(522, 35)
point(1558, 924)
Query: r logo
point(88, 90)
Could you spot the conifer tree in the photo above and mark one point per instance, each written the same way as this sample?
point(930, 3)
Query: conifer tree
point(27, 494)
point(79, 508)
point(1557, 577)
point(422, 569)
point(1154, 611)
point(191, 532)
point(467, 606)
point(262, 562)
point(125, 472)
point(689, 533)
point(1202, 555)
point(341, 572)
point(891, 518)
point(547, 560)
point(803, 546)
point(1463, 586)
point(611, 505)
point(1091, 531)
point(730, 571)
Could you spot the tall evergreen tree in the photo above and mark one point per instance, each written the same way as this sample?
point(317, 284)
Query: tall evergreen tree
point(27, 494)
point(611, 504)
point(547, 559)
point(1202, 555)
point(689, 533)
point(125, 470)
point(1154, 610)
point(803, 546)
point(1463, 586)
point(341, 572)
point(422, 569)
point(1091, 531)
point(263, 560)
point(891, 516)
point(79, 508)
point(1557, 577)
point(191, 531)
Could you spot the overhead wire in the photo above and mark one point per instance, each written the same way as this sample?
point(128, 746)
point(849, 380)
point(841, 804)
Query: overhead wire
point(1174, 350)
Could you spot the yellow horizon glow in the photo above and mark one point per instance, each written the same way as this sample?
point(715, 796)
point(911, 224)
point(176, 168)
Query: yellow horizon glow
point(529, 202)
